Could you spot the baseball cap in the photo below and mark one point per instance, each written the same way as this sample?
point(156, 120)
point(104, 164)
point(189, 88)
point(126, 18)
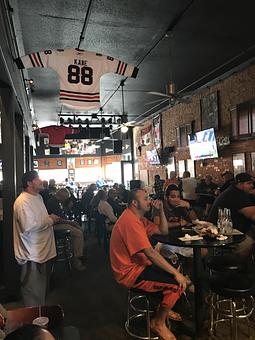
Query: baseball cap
point(243, 177)
point(227, 172)
point(29, 176)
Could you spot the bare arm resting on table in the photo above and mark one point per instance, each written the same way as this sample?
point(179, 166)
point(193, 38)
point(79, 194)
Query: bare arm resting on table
point(159, 261)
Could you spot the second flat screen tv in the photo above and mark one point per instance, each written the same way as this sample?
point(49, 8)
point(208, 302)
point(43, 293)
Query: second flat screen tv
point(202, 145)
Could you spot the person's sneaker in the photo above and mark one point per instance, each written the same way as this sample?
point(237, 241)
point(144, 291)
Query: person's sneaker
point(77, 264)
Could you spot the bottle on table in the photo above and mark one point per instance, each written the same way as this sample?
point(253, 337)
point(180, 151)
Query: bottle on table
point(221, 221)
point(229, 223)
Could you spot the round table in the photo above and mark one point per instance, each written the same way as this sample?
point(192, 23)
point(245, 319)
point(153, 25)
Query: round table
point(173, 239)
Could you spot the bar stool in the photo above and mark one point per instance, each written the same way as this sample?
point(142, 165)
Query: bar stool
point(231, 300)
point(64, 248)
point(135, 312)
point(226, 263)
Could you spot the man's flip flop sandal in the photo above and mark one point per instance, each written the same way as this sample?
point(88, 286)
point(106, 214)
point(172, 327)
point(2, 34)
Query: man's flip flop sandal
point(174, 316)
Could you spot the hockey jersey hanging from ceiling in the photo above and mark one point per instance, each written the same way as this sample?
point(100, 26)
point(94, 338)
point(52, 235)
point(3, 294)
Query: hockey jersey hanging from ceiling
point(56, 133)
point(79, 72)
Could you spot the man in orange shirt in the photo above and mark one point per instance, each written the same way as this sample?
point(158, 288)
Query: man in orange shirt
point(137, 264)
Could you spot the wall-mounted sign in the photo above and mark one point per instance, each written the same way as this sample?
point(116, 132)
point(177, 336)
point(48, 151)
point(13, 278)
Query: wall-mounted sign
point(223, 140)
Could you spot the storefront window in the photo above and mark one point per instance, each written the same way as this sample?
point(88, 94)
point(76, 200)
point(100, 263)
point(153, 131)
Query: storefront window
point(170, 166)
point(253, 161)
point(181, 166)
point(238, 163)
point(191, 167)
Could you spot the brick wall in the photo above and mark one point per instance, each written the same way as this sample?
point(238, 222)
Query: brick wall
point(236, 89)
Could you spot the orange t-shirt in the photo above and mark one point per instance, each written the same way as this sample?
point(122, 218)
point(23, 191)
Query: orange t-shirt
point(129, 237)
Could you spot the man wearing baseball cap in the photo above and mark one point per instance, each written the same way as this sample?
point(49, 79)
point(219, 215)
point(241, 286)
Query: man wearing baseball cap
point(237, 199)
point(34, 243)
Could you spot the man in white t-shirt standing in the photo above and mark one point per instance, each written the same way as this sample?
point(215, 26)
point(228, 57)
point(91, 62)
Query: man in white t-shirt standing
point(189, 185)
point(34, 243)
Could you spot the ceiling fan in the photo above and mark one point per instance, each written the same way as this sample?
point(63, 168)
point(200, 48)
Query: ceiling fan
point(174, 97)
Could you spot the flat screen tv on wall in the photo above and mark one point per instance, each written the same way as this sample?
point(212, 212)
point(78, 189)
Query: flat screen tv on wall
point(202, 145)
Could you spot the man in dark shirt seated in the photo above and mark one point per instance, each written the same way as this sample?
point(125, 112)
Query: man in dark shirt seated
point(228, 178)
point(45, 193)
point(55, 204)
point(158, 186)
point(206, 193)
point(237, 199)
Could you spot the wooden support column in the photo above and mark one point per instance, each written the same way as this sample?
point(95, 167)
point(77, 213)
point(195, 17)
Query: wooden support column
point(131, 136)
point(11, 268)
point(19, 146)
point(28, 155)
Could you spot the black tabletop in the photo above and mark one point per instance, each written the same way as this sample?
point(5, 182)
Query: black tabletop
point(173, 239)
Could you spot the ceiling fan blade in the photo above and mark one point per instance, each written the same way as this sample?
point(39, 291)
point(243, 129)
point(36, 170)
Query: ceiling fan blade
point(154, 101)
point(134, 125)
point(160, 94)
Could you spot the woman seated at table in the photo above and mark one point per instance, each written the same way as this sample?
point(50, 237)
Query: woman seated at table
point(104, 208)
point(179, 214)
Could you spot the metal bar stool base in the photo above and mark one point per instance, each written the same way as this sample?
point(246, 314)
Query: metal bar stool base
point(226, 309)
point(138, 313)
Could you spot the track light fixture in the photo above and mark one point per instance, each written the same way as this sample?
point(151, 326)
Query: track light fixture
point(93, 119)
point(29, 81)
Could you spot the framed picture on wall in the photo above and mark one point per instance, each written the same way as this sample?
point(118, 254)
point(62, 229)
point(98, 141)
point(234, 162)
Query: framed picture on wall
point(209, 111)
point(82, 162)
point(59, 163)
point(46, 163)
point(89, 161)
point(96, 161)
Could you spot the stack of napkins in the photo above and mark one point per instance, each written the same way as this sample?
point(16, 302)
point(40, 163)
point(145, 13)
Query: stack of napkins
point(188, 237)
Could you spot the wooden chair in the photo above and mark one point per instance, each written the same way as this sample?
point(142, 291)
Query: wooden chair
point(100, 227)
point(102, 232)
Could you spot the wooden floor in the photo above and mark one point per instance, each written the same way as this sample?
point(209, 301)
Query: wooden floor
point(96, 305)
